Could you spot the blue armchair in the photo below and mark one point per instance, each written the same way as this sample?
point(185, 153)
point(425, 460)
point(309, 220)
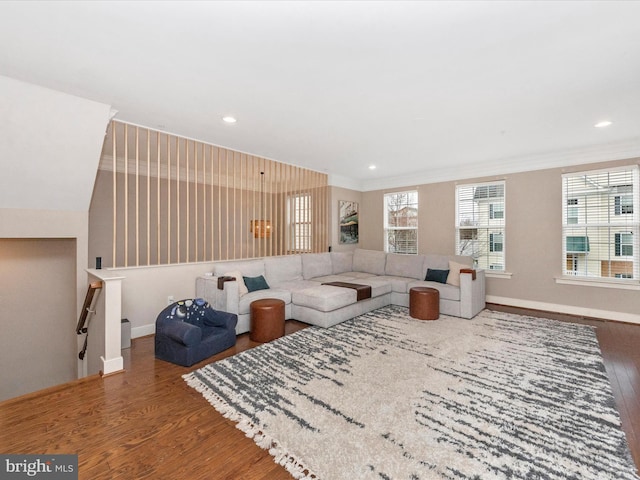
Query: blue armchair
point(189, 331)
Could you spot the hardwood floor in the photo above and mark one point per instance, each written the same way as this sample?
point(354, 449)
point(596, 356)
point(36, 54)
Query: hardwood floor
point(146, 423)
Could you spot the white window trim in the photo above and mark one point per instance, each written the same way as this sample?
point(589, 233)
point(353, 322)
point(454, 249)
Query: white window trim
point(488, 272)
point(386, 228)
point(600, 282)
point(603, 282)
point(291, 238)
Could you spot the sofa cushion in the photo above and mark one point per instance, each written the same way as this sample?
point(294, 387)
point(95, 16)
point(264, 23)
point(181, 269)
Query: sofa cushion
point(434, 275)
point(316, 265)
point(354, 275)
point(341, 262)
point(255, 283)
point(369, 261)
point(237, 274)
point(398, 284)
point(436, 262)
point(402, 265)
point(343, 277)
point(324, 298)
point(379, 286)
point(245, 301)
point(454, 273)
point(281, 269)
point(248, 268)
point(183, 332)
point(297, 285)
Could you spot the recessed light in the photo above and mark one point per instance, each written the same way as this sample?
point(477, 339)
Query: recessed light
point(229, 119)
point(372, 167)
point(603, 124)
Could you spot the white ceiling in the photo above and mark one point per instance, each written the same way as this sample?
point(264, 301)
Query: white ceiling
point(422, 90)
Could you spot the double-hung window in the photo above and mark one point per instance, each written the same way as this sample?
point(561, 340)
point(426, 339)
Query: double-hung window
point(299, 223)
point(600, 231)
point(480, 224)
point(401, 222)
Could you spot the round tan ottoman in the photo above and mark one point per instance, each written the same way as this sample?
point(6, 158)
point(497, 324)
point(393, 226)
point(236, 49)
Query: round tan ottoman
point(267, 320)
point(424, 303)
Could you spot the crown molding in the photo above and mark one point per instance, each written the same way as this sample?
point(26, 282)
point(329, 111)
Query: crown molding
point(562, 158)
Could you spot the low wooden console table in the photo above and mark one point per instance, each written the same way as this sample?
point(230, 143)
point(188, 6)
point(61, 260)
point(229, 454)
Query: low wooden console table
point(363, 291)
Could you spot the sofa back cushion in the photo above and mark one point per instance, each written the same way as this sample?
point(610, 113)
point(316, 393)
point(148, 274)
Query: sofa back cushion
point(341, 262)
point(286, 268)
point(369, 261)
point(248, 268)
point(401, 265)
point(441, 262)
point(316, 265)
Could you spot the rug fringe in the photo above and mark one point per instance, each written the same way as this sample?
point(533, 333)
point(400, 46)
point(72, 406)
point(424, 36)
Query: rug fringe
point(280, 455)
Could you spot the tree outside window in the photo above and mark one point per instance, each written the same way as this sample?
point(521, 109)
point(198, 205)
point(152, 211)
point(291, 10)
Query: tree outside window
point(401, 222)
point(480, 223)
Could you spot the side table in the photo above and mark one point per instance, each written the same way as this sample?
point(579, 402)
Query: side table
point(267, 320)
point(424, 303)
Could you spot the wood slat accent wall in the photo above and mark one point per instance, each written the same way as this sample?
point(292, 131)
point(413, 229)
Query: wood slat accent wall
point(178, 200)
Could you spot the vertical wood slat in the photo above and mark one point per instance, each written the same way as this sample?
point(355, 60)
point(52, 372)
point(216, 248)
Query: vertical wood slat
point(126, 195)
point(234, 164)
point(168, 199)
point(137, 237)
point(244, 200)
point(219, 204)
point(148, 223)
point(205, 219)
point(196, 227)
point(158, 217)
point(187, 143)
point(178, 216)
point(114, 237)
point(211, 200)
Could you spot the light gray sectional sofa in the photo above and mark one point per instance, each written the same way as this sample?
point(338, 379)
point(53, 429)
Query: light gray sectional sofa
point(297, 280)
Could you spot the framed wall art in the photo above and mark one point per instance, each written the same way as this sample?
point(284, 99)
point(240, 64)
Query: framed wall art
point(348, 218)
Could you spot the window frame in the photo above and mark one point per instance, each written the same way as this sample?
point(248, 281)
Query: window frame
point(295, 239)
point(486, 221)
point(388, 228)
point(606, 213)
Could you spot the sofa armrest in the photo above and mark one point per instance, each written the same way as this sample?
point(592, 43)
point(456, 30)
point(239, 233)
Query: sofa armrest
point(181, 332)
point(217, 318)
point(472, 294)
point(226, 299)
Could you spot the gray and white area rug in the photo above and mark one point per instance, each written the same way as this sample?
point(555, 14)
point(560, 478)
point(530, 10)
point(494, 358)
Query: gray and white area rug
point(384, 396)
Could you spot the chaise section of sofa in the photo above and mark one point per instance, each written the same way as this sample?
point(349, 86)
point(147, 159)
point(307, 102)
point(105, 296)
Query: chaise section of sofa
point(298, 281)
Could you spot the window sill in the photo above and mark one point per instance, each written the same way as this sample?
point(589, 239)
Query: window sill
point(494, 274)
point(599, 282)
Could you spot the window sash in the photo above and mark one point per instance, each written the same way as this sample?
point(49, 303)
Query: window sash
point(299, 220)
point(601, 206)
point(401, 222)
point(480, 223)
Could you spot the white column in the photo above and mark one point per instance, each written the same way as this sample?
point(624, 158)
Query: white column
point(112, 361)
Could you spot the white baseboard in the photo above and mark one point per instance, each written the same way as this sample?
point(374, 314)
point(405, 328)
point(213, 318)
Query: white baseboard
point(569, 309)
point(112, 365)
point(143, 331)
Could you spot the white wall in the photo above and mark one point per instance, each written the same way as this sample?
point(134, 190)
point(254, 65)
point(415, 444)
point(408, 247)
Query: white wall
point(50, 145)
point(145, 291)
